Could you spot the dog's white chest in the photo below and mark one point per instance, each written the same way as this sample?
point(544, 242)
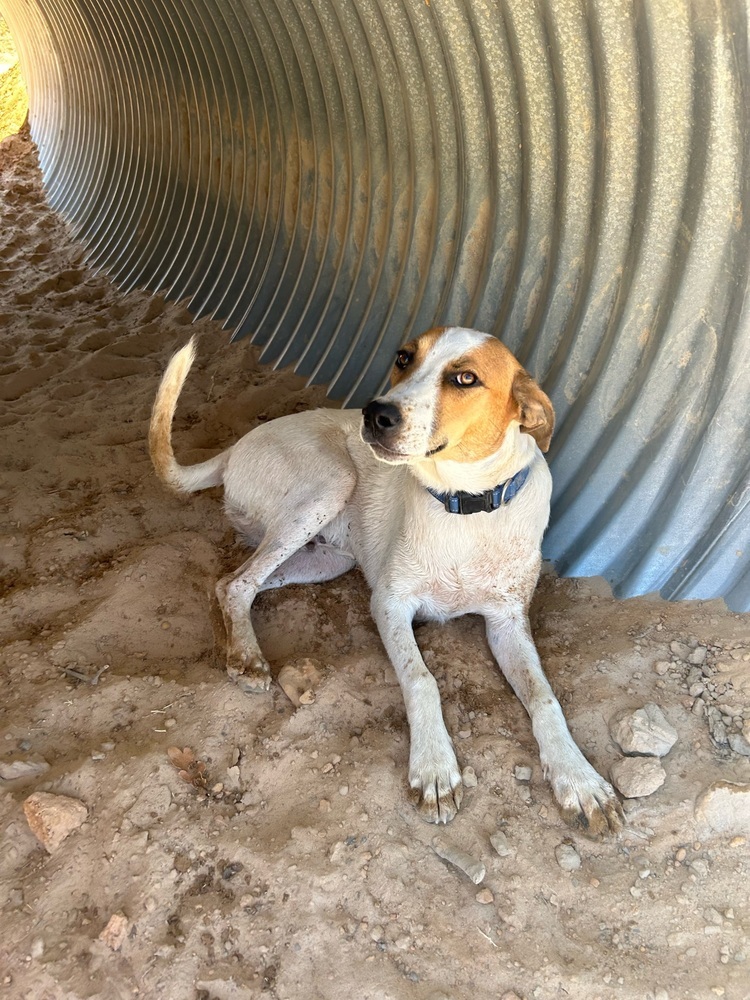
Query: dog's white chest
point(461, 573)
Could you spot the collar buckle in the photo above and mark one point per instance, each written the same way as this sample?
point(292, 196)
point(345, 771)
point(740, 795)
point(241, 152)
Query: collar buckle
point(476, 503)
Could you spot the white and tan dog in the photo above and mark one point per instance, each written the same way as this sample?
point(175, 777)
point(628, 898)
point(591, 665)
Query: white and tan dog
point(460, 430)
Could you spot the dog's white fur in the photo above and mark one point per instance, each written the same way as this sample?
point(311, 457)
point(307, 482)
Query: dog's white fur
point(318, 492)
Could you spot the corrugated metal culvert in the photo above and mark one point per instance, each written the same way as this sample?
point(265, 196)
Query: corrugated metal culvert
point(330, 177)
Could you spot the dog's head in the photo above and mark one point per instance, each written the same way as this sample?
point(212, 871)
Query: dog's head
point(454, 394)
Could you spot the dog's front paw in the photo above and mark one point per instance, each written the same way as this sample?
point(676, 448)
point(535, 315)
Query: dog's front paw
point(249, 672)
point(436, 788)
point(587, 801)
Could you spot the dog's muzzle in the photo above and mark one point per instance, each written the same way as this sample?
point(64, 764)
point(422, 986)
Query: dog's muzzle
point(382, 420)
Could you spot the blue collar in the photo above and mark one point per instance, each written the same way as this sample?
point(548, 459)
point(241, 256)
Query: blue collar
point(462, 502)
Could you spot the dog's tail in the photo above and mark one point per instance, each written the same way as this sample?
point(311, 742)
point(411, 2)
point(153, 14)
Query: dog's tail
point(182, 478)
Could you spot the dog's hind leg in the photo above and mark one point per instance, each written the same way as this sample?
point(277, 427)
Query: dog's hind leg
point(315, 562)
point(283, 539)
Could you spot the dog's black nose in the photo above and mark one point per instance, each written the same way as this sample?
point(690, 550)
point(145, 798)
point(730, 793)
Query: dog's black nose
point(381, 416)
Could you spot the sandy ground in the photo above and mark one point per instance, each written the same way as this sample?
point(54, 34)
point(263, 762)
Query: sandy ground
point(301, 871)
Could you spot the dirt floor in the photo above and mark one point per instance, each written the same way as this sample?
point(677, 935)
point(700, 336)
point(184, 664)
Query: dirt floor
point(293, 866)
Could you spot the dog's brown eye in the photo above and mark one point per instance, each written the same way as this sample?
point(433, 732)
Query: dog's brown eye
point(465, 378)
point(403, 359)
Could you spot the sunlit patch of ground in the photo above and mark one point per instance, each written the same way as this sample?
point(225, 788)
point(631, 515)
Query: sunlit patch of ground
point(14, 101)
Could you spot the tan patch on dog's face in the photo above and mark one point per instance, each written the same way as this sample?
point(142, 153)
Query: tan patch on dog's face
point(474, 419)
point(417, 351)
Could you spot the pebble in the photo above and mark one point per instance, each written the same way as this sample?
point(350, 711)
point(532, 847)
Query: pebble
point(52, 818)
point(29, 768)
point(469, 865)
point(299, 681)
point(739, 744)
point(116, 931)
point(469, 777)
point(567, 857)
point(716, 727)
point(644, 731)
point(343, 789)
point(500, 842)
point(484, 896)
point(698, 655)
point(636, 777)
point(522, 772)
point(680, 649)
point(661, 667)
point(725, 807)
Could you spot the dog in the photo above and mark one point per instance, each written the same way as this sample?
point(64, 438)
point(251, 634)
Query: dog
point(439, 491)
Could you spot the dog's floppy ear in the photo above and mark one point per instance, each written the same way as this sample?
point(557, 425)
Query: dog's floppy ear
point(534, 409)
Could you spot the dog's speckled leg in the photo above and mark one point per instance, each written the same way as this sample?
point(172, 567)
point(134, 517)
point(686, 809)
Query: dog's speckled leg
point(585, 798)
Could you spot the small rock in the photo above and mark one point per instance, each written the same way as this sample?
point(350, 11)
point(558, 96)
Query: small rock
point(500, 842)
point(661, 667)
point(637, 776)
point(699, 867)
point(460, 859)
point(725, 807)
point(680, 649)
point(716, 727)
point(739, 744)
point(644, 731)
point(522, 772)
point(484, 896)
point(153, 802)
point(712, 916)
point(53, 817)
point(568, 857)
point(469, 778)
point(524, 792)
point(697, 656)
point(28, 768)
point(37, 948)
point(233, 778)
point(299, 680)
point(116, 931)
